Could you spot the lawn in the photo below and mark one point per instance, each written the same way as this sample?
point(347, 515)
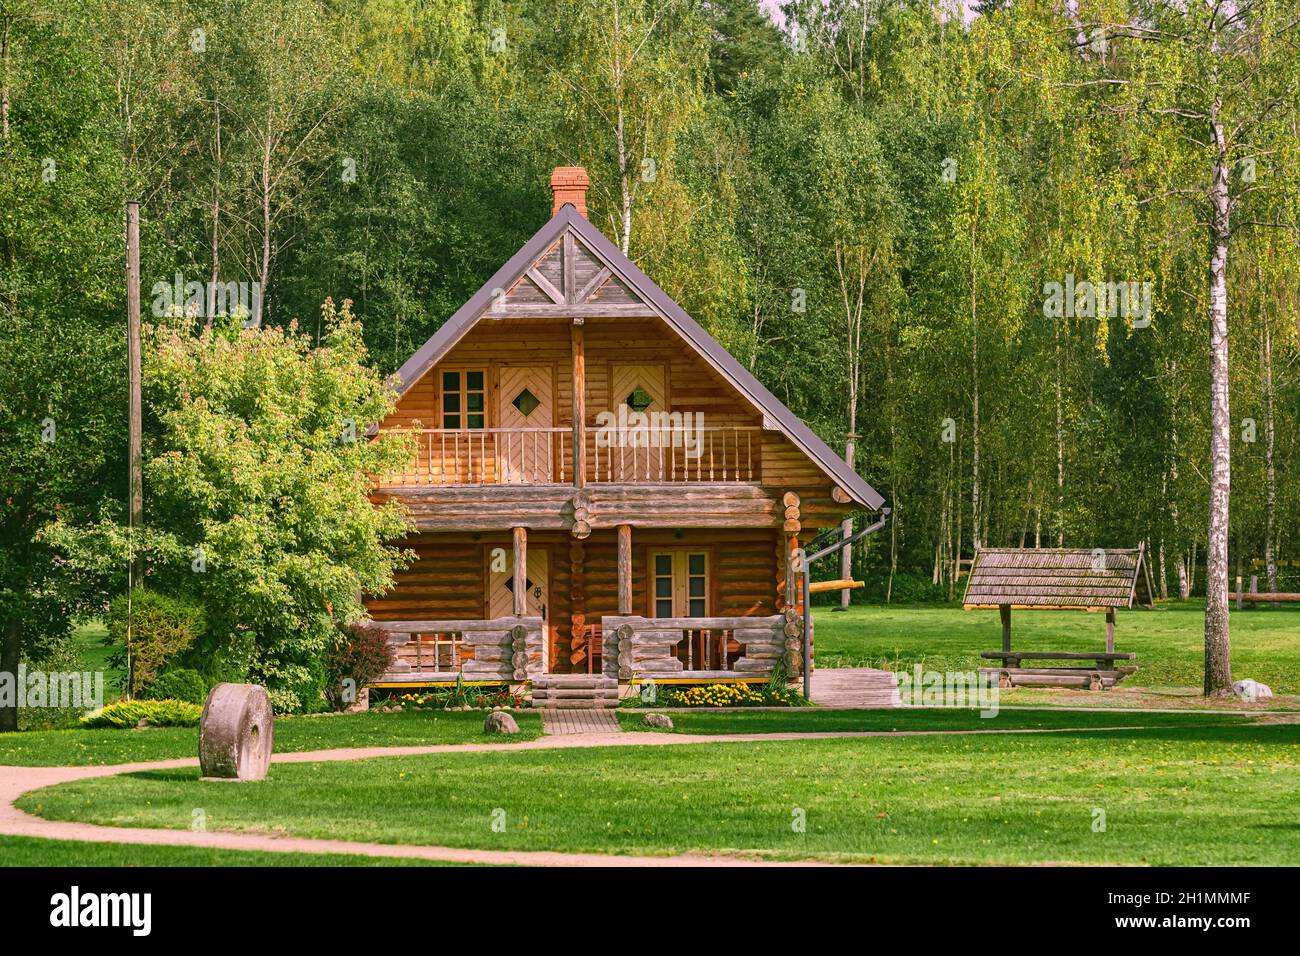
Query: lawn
point(1169, 641)
point(812, 720)
point(52, 748)
point(30, 851)
point(1169, 795)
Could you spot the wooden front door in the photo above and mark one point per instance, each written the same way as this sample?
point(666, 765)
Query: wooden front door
point(501, 598)
point(526, 413)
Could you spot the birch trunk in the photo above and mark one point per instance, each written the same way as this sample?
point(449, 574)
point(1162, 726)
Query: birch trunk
point(1218, 667)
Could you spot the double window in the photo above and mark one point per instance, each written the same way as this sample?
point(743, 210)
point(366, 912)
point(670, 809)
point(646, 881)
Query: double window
point(464, 399)
point(681, 583)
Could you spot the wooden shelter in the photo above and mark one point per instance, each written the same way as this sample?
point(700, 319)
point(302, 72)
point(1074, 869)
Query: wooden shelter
point(599, 491)
point(1078, 579)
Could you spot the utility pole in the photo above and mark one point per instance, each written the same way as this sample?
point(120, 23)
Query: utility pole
point(133, 426)
point(133, 373)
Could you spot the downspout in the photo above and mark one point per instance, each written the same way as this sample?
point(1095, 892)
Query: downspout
point(808, 561)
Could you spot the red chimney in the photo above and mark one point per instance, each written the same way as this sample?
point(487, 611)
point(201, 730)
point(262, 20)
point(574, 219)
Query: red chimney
point(569, 184)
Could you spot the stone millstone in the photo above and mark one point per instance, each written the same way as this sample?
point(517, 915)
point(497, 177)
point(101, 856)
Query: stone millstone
point(235, 733)
point(663, 721)
point(499, 722)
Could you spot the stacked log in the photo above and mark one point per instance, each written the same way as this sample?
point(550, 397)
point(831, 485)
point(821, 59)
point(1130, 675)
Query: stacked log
point(577, 606)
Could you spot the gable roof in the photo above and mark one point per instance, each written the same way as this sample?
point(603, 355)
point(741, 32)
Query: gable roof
point(568, 218)
point(1060, 577)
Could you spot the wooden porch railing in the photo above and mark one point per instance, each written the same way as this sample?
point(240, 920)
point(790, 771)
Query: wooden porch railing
point(505, 648)
point(700, 647)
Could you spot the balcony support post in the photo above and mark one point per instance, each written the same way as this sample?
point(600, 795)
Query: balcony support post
point(625, 569)
point(579, 404)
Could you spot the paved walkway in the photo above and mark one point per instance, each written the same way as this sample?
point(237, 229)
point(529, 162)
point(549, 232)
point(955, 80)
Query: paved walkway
point(574, 721)
point(851, 688)
point(15, 781)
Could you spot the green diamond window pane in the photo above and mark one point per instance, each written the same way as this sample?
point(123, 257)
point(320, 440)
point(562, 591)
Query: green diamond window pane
point(526, 402)
point(639, 399)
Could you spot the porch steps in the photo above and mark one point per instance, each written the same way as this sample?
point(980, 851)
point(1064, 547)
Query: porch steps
point(575, 692)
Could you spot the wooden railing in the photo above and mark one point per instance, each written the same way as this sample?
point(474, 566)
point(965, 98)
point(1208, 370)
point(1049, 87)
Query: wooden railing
point(700, 647)
point(719, 453)
point(488, 456)
point(543, 456)
point(506, 649)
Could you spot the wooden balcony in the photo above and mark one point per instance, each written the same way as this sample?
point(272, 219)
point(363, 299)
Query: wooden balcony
point(544, 456)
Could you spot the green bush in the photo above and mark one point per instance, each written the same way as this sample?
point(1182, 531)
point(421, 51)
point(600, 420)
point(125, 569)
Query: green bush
point(178, 683)
point(161, 627)
point(126, 714)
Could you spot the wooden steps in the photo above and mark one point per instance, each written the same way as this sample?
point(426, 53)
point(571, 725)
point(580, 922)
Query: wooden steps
point(575, 692)
point(854, 687)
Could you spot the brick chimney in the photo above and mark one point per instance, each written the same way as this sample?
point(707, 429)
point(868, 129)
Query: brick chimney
point(569, 184)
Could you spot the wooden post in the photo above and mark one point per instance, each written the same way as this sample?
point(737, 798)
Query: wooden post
point(793, 575)
point(579, 405)
point(1239, 592)
point(1005, 611)
point(1110, 630)
point(521, 572)
point(133, 371)
point(624, 569)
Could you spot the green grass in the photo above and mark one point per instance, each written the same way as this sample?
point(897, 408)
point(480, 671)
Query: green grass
point(826, 721)
point(30, 851)
point(1168, 641)
point(88, 639)
point(53, 748)
point(1171, 795)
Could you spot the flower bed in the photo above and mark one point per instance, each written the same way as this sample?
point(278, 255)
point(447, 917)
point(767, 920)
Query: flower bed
point(458, 697)
point(764, 694)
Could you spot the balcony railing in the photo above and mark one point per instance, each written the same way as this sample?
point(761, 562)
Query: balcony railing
point(542, 456)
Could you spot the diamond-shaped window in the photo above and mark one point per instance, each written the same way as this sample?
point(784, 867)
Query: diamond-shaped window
point(510, 584)
point(526, 402)
point(639, 399)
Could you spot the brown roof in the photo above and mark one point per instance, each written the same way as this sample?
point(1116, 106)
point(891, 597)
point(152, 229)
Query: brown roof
point(1059, 577)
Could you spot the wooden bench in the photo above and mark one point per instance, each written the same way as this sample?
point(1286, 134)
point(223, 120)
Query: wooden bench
point(1103, 676)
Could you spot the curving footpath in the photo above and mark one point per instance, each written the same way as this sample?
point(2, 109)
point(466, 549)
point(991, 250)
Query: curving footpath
point(16, 781)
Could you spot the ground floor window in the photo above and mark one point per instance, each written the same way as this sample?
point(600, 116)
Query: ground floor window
point(681, 583)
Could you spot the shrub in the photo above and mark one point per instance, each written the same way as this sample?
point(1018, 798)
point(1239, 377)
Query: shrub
point(360, 655)
point(178, 683)
point(161, 627)
point(126, 714)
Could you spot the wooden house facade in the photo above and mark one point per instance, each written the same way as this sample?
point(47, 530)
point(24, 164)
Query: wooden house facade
point(598, 488)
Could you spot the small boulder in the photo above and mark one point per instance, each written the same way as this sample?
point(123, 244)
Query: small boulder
point(499, 722)
point(1251, 689)
point(658, 721)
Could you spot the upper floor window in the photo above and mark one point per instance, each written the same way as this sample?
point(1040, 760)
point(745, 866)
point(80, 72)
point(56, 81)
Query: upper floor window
point(464, 399)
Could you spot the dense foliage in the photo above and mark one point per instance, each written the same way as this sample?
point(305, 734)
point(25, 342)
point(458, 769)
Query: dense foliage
point(869, 202)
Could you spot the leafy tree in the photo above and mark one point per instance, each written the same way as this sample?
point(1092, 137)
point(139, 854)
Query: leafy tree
point(257, 479)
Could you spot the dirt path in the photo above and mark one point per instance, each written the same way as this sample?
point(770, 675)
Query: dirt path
point(16, 781)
